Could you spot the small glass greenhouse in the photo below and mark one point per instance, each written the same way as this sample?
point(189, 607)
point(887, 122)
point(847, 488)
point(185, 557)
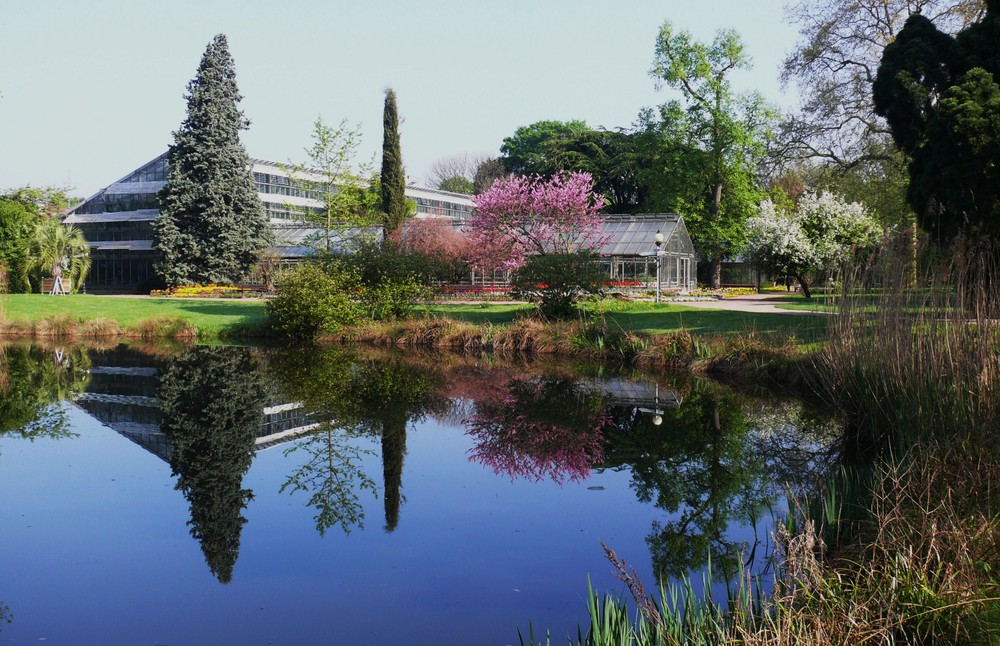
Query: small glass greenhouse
point(631, 252)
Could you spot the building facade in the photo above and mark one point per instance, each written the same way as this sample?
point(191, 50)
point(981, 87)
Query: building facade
point(117, 221)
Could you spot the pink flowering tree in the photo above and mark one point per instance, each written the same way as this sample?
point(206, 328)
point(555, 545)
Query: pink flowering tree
point(522, 216)
point(539, 430)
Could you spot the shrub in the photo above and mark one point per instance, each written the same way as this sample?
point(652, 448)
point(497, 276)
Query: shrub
point(391, 280)
point(313, 299)
point(555, 282)
point(392, 300)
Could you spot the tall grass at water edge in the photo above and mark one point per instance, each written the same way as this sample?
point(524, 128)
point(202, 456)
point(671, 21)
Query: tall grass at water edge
point(901, 544)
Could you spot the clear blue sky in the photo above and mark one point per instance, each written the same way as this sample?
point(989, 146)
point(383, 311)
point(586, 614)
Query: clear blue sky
point(91, 90)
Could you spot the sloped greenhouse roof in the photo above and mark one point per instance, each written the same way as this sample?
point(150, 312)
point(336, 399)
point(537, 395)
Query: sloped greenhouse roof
point(632, 235)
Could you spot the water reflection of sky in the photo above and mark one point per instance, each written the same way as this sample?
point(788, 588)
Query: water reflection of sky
point(99, 548)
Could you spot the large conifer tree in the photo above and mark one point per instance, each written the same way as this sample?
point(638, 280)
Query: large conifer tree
point(212, 223)
point(393, 179)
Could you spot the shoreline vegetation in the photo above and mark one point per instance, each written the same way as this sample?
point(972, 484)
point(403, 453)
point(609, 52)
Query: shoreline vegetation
point(723, 344)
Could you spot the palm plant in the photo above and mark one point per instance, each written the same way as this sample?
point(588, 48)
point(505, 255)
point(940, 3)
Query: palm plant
point(60, 250)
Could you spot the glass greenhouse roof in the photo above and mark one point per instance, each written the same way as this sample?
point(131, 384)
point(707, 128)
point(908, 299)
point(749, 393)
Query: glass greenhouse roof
point(632, 235)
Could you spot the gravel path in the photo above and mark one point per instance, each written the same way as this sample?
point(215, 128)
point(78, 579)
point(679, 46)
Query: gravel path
point(755, 303)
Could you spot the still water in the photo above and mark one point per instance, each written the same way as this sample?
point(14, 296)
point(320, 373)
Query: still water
point(231, 495)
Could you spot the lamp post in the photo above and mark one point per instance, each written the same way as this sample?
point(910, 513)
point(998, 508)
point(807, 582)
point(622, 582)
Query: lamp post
point(658, 241)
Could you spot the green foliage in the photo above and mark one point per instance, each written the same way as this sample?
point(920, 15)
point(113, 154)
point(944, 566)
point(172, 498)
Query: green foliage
point(350, 203)
point(612, 157)
point(313, 298)
point(391, 280)
point(457, 184)
point(716, 137)
point(533, 149)
point(57, 250)
point(211, 226)
point(17, 225)
point(941, 98)
point(395, 206)
point(555, 282)
point(488, 171)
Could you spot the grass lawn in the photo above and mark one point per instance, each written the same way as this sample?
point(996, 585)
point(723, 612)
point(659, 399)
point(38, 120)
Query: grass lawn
point(211, 318)
point(214, 318)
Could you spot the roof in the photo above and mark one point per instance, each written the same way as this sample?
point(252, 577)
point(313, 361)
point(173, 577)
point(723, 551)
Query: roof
point(632, 235)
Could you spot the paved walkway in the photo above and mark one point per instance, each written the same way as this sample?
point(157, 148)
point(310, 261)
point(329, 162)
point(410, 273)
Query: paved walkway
point(755, 303)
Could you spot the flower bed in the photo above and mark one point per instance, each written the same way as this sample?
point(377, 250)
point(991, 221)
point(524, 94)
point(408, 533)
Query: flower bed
point(207, 291)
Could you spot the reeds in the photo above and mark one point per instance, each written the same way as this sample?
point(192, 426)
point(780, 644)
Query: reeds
point(919, 362)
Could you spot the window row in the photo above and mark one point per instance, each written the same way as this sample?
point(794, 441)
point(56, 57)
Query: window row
point(154, 172)
point(117, 231)
point(121, 202)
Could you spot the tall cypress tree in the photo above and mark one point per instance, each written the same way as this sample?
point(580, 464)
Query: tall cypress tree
point(394, 202)
point(212, 223)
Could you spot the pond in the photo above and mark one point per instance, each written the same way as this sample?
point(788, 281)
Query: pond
point(315, 495)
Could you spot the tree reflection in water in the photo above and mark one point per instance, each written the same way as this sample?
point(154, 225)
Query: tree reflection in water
point(210, 406)
point(719, 459)
point(716, 461)
point(540, 429)
point(332, 476)
point(354, 396)
point(33, 382)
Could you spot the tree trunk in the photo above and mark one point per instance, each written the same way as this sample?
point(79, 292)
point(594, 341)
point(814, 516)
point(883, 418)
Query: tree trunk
point(716, 268)
point(717, 245)
point(804, 286)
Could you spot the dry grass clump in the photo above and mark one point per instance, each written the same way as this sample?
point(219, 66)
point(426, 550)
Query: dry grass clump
point(100, 328)
point(62, 326)
point(674, 351)
point(11, 328)
point(164, 327)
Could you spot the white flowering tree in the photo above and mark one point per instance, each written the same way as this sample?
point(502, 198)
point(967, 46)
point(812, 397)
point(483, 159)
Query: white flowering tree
point(819, 236)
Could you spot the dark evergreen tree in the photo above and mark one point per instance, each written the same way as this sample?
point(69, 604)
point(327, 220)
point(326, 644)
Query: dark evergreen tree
point(488, 171)
point(210, 402)
point(941, 97)
point(211, 224)
point(394, 204)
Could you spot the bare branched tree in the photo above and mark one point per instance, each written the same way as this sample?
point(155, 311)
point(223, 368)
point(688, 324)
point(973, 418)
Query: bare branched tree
point(834, 65)
point(446, 168)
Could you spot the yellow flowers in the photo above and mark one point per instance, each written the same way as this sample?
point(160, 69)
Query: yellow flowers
point(201, 291)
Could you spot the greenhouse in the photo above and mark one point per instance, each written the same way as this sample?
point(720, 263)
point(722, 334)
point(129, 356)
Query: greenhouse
point(649, 248)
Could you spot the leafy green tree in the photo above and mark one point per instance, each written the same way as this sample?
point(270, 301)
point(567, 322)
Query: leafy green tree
point(210, 407)
point(941, 98)
point(17, 225)
point(534, 149)
point(395, 206)
point(611, 157)
point(350, 203)
point(729, 131)
point(457, 184)
point(58, 250)
point(211, 224)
